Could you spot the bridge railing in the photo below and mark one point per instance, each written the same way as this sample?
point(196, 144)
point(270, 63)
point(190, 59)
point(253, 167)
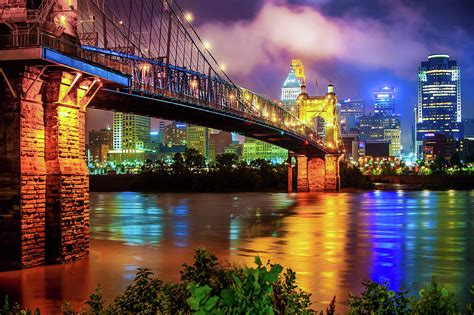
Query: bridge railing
point(40, 38)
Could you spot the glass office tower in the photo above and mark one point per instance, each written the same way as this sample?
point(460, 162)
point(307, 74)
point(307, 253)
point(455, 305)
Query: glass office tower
point(439, 99)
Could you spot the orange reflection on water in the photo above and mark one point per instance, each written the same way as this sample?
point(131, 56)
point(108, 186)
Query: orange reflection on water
point(332, 241)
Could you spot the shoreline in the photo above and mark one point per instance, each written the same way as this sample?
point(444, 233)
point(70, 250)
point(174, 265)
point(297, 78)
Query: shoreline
point(155, 183)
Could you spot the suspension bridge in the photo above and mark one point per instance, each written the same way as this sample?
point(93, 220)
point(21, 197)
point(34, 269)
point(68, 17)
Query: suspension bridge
point(60, 57)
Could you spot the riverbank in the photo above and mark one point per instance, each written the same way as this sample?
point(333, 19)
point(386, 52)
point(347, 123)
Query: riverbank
point(215, 182)
point(415, 182)
point(205, 182)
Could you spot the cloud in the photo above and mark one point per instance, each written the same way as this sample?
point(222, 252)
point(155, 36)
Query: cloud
point(279, 31)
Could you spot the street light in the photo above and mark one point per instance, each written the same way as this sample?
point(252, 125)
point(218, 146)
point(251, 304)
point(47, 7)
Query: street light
point(189, 17)
point(207, 45)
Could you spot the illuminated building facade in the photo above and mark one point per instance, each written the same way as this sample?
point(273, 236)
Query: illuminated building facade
point(351, 111)
point(372, 127)
point(197, 137)
point(175, 134)
point(439, 99)
point(435, 145)
point(320, 113)
point(235, 148)
point(292, 86)
point(384, 100)
point(100, 143)
point(254, 149)
point(299, 68)
point(131, 136)
point(217, 144)
point(394, 137)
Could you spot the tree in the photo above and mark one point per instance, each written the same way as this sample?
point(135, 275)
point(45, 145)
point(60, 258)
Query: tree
point(161, 167)
point(194, 160)
point(178, 165)
point(261, 164)
point(226, 161)
point(455, 159)
point(147, 167)
point(439, 164)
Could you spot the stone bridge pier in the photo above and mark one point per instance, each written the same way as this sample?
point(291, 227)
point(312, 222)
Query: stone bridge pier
point(44, 180)
point(315, 173)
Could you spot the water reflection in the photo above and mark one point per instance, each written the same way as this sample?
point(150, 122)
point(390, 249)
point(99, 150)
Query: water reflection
point(332, 241)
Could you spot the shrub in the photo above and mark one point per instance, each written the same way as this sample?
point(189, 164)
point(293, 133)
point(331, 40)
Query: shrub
point(378, 299)
point(435, 299)
point(206, 287)
point(470, 305)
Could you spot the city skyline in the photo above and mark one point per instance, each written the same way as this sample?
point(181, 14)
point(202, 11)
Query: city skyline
point(420, 26)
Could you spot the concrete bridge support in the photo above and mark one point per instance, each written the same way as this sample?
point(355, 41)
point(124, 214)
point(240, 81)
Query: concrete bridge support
point(44, 181)
point(317, 173)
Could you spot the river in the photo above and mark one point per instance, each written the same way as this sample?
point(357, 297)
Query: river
point(332, 240)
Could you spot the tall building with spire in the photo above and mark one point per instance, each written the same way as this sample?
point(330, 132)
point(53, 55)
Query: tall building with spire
point(291, 88)
point(299, 68)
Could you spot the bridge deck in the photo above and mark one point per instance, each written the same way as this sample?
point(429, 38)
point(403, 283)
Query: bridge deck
point(171, 109)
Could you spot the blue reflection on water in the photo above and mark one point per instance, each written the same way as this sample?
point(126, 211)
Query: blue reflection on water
point(386, 222)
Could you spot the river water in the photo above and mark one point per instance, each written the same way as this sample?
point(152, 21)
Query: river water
point(333, 241)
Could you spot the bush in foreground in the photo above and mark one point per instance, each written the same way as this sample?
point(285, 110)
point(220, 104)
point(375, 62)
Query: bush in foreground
point(206, 287)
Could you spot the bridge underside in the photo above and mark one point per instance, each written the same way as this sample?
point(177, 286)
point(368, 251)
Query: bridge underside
point(189, 112)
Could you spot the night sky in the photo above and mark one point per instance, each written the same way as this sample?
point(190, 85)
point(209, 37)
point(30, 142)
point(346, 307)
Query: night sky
point(358, 44)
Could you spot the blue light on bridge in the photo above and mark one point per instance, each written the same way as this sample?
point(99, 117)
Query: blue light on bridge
point(82, 66)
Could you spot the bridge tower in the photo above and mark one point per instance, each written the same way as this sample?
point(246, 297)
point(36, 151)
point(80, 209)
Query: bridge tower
point(319, 173)
point(44, 181)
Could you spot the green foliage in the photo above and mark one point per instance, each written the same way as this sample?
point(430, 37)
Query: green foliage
point(226, 161)
point(352, 177)
point(96, 301)
point(435, 299)
point(288, 298)
point(140, 297)
point(178, 166)
point(206, 287)
point(194, 161)
point(249, 293)
point(206, 271)
point(8, 309)
point(201, 301)
point(470, 305)
point(378, 299)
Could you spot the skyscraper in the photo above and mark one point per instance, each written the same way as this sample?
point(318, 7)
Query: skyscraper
point(217, 144)
point(439, 99)
point(351, 111)
point(468, 126)
point(100, 143)
point(175, 134)
point(299, 68)
point(372, 127)
point(384, 100)
point(291, 88)
point(255, 149)
point(131, 135)
point(197, 137)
